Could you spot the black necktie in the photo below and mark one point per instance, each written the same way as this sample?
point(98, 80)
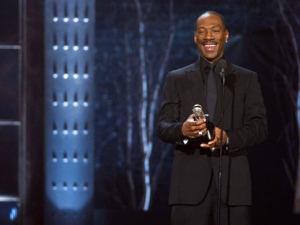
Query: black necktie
point(211, 92)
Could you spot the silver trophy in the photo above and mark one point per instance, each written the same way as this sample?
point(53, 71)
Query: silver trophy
point(198, 112)
point(198, 115)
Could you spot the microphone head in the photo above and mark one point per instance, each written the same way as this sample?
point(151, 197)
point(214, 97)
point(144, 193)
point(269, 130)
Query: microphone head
point(221, 66)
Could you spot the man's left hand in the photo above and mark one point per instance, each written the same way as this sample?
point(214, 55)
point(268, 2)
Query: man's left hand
point(216, 142)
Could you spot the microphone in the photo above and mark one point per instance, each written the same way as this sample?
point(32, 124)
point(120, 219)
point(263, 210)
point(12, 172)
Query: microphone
point(220, 69)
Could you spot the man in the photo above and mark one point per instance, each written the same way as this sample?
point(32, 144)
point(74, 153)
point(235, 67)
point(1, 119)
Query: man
point(194, 179)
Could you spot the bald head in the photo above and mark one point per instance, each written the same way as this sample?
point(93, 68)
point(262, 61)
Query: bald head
point(211, 13)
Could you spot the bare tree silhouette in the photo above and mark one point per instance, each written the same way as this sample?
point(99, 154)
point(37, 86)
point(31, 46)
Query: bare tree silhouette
point(132, 64)
point(289, 13)
point(149, 94)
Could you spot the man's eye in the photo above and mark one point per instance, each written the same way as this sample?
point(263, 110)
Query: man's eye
point(216, 31)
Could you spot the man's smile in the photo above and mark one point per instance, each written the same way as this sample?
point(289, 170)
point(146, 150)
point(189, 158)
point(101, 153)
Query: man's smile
point(210, 47)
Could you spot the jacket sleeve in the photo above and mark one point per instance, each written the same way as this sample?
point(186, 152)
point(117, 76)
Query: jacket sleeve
point(254, 128)
point(169, 124)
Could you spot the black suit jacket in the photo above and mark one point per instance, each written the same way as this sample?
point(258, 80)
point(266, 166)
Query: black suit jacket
point(244, 122)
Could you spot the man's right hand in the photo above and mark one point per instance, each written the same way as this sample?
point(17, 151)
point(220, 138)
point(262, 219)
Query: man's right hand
point(192, 128)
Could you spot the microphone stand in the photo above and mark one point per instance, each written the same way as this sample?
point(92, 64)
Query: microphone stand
point(222, 74)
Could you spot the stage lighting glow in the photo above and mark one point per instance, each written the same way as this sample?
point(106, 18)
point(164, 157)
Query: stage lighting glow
point(54, 158)
point(66, 76)
point(75, 188)
point(75, 159)
point(85, 187)
point(54, 187)
point(68, 119)
point(65, 159)
point(54, 129)
point(13, 214)
point(65, 186)
point(85, 158)
point(85, 132)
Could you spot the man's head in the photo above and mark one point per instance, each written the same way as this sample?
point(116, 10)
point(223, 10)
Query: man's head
point(210, 35)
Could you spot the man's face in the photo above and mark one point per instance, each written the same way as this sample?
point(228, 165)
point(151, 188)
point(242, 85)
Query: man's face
point(210, 37)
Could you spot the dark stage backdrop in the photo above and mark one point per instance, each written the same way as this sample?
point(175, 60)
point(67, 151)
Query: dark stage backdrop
point(138, 42)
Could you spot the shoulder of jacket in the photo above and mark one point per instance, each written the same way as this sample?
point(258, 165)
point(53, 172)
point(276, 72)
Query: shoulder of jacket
point(183, 70)
point(242, 70)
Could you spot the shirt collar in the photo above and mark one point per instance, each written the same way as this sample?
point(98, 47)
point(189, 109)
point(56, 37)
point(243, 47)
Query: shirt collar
point(205, 64)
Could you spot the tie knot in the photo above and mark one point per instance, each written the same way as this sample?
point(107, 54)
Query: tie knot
point(209, 69)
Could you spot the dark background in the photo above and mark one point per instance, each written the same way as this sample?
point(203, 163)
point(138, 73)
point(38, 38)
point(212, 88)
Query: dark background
point(260, 40)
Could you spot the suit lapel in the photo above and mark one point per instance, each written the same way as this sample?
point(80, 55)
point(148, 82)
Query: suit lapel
point(196, 85)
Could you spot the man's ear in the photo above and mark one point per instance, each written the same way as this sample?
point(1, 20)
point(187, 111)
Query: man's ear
point(195, 37)
point(226, 35)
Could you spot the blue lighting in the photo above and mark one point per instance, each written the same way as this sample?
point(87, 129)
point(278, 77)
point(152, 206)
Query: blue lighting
point(66, 76)
point(13, 214)
point(68, 107)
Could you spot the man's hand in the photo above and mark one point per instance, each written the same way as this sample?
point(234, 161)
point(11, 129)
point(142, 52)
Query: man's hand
point(194, 129)
point(216, 142)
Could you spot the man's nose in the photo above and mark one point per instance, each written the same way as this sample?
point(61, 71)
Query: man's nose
point(209, 35)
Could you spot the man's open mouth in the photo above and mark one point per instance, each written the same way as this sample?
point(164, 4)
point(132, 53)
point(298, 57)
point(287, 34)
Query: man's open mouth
point(210, 47)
